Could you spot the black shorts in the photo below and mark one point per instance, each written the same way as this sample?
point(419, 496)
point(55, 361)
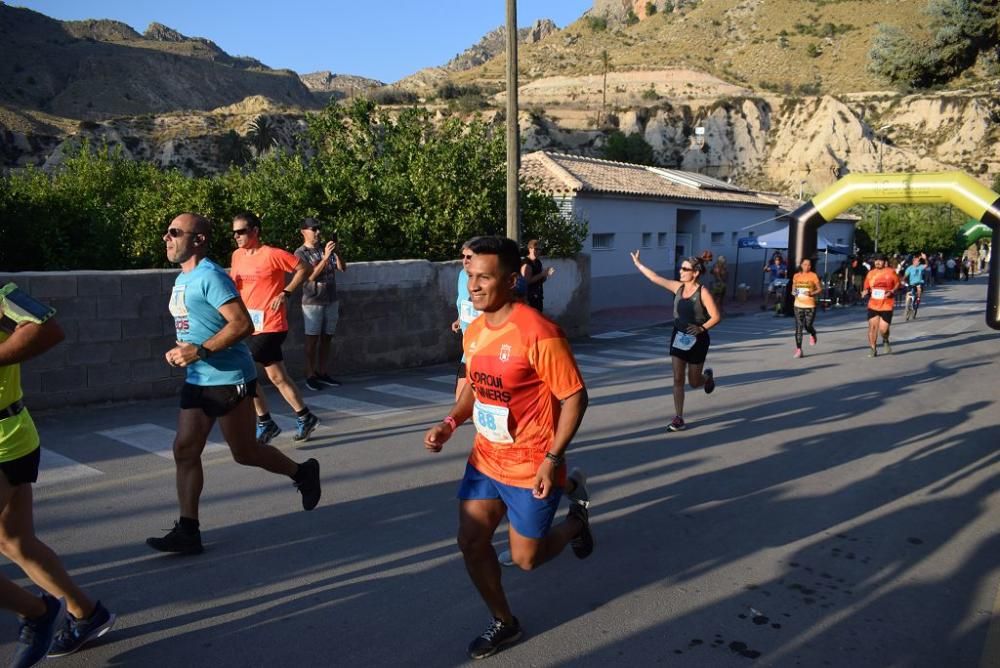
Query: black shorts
point(266, 348)
point(697, 353)
point(885, 315)
point(22, 470)
point(216, 400)
point(461, 372)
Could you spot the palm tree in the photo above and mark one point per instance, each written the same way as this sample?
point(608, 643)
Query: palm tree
point(263, 134)
point(606, 62)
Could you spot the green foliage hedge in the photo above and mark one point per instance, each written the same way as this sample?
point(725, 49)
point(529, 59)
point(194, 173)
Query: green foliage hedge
point(392, 187)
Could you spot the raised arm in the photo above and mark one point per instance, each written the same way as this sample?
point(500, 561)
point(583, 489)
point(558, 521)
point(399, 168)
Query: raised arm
point(665, 283)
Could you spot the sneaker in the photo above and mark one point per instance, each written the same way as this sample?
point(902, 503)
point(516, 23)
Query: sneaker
point(798, 352)
point(308, 483)
point(76, 633)
point(709, 381)
point(872, 352)
point(677, 424)
point(583, 543)
point(326, 380)
point(37, 635)
point(579, 494)
point(505, 558)
point(812, 339)
point(886, 347)
point(304, 426)
point(178, 540)
point(266, 431)
point(312, 382)
point(496, 636)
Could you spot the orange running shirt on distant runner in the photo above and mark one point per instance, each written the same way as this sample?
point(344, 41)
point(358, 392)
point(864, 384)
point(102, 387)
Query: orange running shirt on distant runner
point(260, 277)
point(881, 282)
point(807, 282)
point(519, 373)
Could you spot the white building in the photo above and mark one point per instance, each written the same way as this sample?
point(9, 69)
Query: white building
point(665, 214)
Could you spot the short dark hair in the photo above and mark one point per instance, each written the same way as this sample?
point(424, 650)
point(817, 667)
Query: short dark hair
point(249, 218)
point(505, 249)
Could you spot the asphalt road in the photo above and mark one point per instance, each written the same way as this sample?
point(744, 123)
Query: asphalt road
point(833, 510)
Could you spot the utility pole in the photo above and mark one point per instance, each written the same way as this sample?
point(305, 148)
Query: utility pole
point(880, 138)
point(513, 135)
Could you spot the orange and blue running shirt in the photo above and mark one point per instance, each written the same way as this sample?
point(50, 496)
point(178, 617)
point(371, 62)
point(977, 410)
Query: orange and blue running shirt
point(260, 277)
point(881, 282)
point(519, 373)
point(804, 283)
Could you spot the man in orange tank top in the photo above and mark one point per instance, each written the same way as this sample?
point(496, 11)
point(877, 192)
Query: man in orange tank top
point(880, 284)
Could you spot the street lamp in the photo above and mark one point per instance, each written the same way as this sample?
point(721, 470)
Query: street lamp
point(880, 138)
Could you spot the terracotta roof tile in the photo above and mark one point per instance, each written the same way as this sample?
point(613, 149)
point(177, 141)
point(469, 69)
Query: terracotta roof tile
point(560, 173)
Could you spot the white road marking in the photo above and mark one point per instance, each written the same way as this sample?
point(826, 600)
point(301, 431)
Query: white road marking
point(418, 393)
point(364, 409)
point(153, 439)
point(55, 468)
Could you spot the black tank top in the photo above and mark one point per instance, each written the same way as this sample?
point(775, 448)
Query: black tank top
point(689, 310)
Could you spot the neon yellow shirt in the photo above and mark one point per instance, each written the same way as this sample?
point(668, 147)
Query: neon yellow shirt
point(18, 436)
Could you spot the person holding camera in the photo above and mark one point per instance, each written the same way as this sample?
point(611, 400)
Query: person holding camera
point(320, 307)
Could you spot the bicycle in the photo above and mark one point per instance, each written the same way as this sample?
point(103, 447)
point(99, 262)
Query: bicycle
point(912, 301)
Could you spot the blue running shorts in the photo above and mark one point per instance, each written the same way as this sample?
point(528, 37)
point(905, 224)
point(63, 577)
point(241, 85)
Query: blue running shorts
point(530, 517)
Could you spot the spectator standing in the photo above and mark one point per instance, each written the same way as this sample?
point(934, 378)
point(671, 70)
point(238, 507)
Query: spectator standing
point(535, 276)
point(320, 306)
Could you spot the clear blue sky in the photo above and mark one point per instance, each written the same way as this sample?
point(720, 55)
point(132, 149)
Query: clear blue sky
point(383, 40)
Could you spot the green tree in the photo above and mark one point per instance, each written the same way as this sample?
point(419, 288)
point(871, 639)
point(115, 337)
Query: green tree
point(232, 149)
point(628, 148)
point(262, 134)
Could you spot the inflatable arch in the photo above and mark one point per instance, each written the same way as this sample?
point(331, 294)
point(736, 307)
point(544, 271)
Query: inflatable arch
point(955, 188)
point(972, 232)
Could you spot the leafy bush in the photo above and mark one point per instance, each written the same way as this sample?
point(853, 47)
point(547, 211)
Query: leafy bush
point(597, 23)
point(628, 148)
point(650, 8)
point(400, 186)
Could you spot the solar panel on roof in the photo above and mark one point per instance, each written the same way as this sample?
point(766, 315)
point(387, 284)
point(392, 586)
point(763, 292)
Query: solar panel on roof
point(693, 180)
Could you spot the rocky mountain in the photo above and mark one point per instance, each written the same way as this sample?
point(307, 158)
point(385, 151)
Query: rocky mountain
point(91, 70)
point(493, 44)
point(326, 85)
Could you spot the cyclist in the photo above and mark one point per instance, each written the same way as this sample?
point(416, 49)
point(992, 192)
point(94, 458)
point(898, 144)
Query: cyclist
point(914, 277)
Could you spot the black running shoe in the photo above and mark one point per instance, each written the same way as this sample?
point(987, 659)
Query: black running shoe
point(37, 635)
point(496, 636)
point(709, 381)
point(76, 633)
point(325, 379)
point(583, 543)
point(179, 541)
point(312, 382)
point(307, 482)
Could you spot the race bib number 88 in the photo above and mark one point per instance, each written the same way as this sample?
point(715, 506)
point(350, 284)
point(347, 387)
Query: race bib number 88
point(491, 422)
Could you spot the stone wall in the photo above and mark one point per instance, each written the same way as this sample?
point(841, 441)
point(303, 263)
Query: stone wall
point(393, 315)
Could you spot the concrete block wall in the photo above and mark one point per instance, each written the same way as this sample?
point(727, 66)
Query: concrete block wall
point(392, 315)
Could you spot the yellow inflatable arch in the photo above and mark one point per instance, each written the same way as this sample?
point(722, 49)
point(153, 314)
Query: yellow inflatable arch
point(955, 188)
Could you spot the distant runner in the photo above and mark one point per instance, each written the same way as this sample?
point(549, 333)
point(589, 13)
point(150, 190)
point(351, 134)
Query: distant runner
point(695, 313)
point(881, 283)
point(915, 276)
point(805, 287)
point(466, 312)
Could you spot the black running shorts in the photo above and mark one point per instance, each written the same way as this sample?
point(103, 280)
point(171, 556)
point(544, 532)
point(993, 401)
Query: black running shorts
point(216, 400)
point(23, 469)
point(697, 354)
point(885, 315)
point(266, 348)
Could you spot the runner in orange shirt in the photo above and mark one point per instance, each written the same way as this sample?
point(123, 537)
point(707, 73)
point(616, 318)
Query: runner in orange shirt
point(527, 399)
point(805, 287)
point(259, 273)
point(881, 283)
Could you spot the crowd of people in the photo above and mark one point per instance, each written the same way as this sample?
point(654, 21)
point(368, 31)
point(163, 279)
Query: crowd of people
point(518, 383)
